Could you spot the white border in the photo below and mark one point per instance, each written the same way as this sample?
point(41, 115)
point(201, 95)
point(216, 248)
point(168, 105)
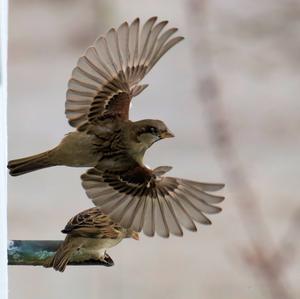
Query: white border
point(3, 149)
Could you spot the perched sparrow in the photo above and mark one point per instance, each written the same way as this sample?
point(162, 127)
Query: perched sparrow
point(89, 234)
point(103, 83)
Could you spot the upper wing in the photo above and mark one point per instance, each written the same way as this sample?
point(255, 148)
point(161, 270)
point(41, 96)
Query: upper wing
point(92, 223)
point(107, 75)
point(143, 199)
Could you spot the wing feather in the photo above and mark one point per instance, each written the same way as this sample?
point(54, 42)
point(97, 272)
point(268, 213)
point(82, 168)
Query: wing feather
point(112, 68)
point(134, 42)
point(193, 211)
point(204, 186)
point(160, 222)
point(123, 44)
point(145, 36)
point(91, 223)
point(137, 219)
point(182, 215)
point(149, 217)
point(142, 199)
point(197, 200)
point(114, 49)
point(170, 216)
point(129, 212)
point(209, 198)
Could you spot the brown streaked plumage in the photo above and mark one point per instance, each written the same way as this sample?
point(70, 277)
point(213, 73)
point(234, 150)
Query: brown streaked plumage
point(99, 93)
point(89, 233)
point(100, 90)
point(145, 199)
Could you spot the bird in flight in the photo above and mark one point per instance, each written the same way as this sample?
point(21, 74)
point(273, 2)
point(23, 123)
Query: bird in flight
point(103, 83)
point(89, 234)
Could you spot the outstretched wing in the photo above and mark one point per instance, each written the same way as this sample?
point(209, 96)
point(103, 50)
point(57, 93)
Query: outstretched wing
point(142, 199)
point(107, 75)
point(92, 223)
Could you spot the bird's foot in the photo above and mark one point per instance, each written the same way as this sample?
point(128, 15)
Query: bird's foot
point(107, 260)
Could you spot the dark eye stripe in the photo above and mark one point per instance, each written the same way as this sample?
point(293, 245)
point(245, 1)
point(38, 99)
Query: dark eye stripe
point(152, 129)
point(149, 129)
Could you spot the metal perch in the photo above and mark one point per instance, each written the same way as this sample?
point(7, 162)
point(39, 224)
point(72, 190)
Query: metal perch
point(35, 253)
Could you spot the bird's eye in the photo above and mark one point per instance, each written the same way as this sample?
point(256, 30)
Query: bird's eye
point(152, 130)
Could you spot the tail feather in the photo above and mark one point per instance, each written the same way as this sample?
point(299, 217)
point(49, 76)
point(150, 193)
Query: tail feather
point(28, 164)
point(62, 256)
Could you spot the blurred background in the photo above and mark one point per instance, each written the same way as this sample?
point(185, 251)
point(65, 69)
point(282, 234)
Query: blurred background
point(229, 92)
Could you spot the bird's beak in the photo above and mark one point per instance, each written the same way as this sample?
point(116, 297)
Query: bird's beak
point(167, 134)
point(135, 236)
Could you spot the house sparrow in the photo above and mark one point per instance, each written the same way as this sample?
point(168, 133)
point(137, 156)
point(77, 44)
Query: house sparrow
point(89, 234)
point(99, 93)
point(103, 83)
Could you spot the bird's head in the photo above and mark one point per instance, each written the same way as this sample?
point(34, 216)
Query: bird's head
point(148, 131)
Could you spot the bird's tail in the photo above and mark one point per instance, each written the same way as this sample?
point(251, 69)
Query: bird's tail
point(28, 164)
point(62, 256)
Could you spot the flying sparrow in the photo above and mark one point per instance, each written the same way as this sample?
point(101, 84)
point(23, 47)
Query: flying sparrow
point(100, 90)
point(89, 234)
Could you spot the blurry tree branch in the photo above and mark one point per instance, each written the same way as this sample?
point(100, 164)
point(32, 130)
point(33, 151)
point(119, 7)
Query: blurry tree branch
point(289, 243)
point(262, 255)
